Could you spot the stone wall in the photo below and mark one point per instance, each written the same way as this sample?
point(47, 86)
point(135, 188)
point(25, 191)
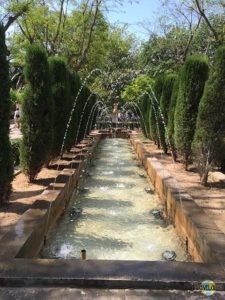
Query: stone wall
point(27, 238)
point(204, 241)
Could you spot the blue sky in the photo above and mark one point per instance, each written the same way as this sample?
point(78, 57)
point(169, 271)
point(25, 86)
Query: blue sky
point(132, 14)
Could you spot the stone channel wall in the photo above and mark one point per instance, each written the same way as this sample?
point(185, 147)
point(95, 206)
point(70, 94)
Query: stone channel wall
point(27, 238)
point(204, 241)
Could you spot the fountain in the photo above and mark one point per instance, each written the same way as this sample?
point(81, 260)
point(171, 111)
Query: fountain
point(106, 219)
point(77, 211)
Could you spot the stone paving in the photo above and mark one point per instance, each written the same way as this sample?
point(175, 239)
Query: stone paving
point(102, 294)
point(14, 132)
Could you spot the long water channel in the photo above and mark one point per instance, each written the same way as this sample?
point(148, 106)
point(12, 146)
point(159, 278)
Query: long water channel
point(111, 215)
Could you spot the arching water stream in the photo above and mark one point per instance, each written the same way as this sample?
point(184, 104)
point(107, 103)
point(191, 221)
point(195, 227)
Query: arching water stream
point(111, 218)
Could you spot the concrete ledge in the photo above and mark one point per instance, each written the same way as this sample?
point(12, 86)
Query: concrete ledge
point(109, 274)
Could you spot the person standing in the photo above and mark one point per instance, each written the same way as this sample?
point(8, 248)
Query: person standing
point(17, 117)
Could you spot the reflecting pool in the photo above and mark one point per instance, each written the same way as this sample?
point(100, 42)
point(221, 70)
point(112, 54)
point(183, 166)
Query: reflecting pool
point(111, 214)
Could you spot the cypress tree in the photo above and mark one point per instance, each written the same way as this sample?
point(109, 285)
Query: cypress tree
point(72, 132)
point(145, 110)
point(192, 80)
point(154, 111)
point(6, 163)
point(164, 105)
point(37, 113)
point(210, 128)
point(170, 125)
point(61, 99)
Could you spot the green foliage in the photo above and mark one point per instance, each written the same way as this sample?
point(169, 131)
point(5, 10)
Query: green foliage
point(60, 86)
point(6, 165)
point(136, 92)
point(120, 63)
point(15, 145)
point(191, 86)
point(159, 54)
point(210, 128)
point(74, 85)
point(170, 124)
point(155, 116)
point(16, 96)
point(37, 110)
point(164, 105)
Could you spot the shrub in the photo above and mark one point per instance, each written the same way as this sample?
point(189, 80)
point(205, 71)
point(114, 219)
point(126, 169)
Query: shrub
point(192, 81)
point(6, 164)
point(210, 127)
point(37, 107)
point(15, 145)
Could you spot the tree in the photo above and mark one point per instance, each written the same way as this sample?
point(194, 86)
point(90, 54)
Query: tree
point(155, 116)
point(61, 97)
point(37, 113)
point(192, 81)
point(11, 11)
point(170, 124)
point(210, 128)
point(6, 164)
point(74, 86)
point(164, 104)
point(67, 28)
point(186, 27)
point(139, 92)
point(120, 65)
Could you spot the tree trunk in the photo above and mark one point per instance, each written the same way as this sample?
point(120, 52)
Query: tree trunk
point(186, 162)
point(204, 177)
point(5, 191)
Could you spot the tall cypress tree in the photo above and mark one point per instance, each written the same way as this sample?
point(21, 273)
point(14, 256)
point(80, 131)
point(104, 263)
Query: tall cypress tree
point(192, 81)
point(154, 110)
point(145, 110)
point(164, 105)
point(210, 128)
point(37, 113)
point(6, 164)
point(170, 124)
point(61, 98)
point(72, 132)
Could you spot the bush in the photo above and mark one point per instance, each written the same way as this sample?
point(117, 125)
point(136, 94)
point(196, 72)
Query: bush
point(6, 164)
point(15, 145)
point(191, 85)
point(210, 128)
point(37, 107)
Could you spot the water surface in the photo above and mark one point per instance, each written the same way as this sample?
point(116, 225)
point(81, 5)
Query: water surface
point(112, 217)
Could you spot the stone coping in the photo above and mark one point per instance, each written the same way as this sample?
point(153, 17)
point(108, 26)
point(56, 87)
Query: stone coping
point(70, 293)
point(109, 274)
point(204, 240)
